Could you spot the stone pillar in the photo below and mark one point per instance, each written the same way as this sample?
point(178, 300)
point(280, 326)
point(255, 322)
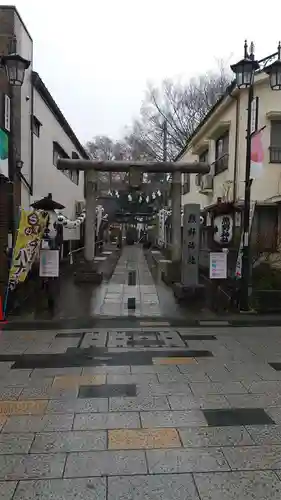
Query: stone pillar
point(190, 247)
point(91, 193)
point(176, 217)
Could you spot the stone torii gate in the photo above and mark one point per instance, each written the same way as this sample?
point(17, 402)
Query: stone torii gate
point(91, 167)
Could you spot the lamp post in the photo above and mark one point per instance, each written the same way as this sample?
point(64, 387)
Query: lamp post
point(245, 73)
point(15, 67)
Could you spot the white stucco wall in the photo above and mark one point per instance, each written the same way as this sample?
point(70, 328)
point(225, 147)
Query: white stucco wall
point(25, 49)
point(47, 179)
point(268, 185)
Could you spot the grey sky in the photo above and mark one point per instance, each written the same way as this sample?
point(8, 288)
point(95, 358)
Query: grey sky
point(95, 56)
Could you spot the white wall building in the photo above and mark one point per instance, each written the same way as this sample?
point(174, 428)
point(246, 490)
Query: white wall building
point(53, 138)
point(220, 140)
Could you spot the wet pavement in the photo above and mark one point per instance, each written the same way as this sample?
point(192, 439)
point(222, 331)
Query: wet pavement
point(154, 414)
point(152, 297)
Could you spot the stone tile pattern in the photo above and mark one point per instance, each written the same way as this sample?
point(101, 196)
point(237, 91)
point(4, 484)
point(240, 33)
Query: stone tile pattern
point(154, 445)
point(117, 291)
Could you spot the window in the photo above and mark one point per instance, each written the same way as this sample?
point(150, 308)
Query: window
point(186, 183)
point(35, 125)
point(222, 148)
point(203, 158)
point(275, 142)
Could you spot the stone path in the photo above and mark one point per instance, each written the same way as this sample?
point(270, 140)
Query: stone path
point(114, 295)
point(168, 414)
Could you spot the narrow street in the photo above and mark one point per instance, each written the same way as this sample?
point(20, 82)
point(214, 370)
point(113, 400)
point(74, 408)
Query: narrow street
point(166, 414)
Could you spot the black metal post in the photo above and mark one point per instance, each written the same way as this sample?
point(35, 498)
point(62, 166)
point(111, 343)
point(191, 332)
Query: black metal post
point(245, 278)
point(12, 169)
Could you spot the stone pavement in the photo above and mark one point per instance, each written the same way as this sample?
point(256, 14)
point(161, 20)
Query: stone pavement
point(163, 414)
point(114, 295)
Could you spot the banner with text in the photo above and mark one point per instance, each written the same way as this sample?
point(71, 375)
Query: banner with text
point(29, 236)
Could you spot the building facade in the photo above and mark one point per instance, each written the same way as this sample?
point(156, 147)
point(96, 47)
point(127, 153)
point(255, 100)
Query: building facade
point(33, 132)
point(220, 141)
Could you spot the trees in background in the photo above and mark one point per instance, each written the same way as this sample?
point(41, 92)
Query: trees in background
point(168, 116)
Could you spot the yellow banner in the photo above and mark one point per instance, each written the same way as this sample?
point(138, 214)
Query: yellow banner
point(30, 233)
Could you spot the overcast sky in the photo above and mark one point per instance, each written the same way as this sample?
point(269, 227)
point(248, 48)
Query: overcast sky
point(96, 56)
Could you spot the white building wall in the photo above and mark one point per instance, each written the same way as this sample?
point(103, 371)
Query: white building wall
point(25, 49)
point(268, 185)
point(47, 178)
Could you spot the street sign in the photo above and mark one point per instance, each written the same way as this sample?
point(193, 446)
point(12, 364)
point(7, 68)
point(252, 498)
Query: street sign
point(49, 264)
point(218, 265)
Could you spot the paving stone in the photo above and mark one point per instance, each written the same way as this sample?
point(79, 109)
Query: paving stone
point(172, 418)
point(202, 389)
point(125, 439)
point(168, 389)
point(275, 414)
point(191, 402)
point(36, 423)
point(54, 372)
point(253, 457)
point(15, 443)
point(107, 390)
point(7, 489)
point(16, 467)
point(179, 461)
point(62, 489)
point(139, 404)
point(65, 442)
point(90, 405)
point(173, 361)
point(89, 370)
point(132, 379)
point(215, 436)
point(154, 369)
point(265, 387)
point(265, 434)
point(237, 416)
point(161, 487)
point(65, 381)
point(63, 393)
point(105, 463)
point(252, 400)
point(3, 420)
point(10, 393)
point(35, 392)
point(92, 421)
point(258, 485)
point(23, 407)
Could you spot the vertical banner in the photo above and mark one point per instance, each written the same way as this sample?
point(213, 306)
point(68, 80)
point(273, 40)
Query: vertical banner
point(30, 233)
point(238, 270)
point(257, 154)
point(190, 248)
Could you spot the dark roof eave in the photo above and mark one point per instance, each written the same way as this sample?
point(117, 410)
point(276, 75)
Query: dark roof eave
point(228, 91)
point(45, 94)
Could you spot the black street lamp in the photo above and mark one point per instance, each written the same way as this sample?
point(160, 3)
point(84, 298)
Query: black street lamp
point(15, 67)
point(245, 72)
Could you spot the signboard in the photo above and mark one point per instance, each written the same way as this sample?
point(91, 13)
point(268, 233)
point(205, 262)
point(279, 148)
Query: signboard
point(190, 247)
point(29, 237)
point(238, 269)
point(7, 113)
point(4, 148)
point(218, 265)
point(49, 263)
point(71, 234)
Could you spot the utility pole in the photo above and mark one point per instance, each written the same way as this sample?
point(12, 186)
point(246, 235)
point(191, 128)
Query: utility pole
point(165, 156)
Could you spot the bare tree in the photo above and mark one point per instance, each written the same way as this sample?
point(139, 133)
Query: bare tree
point(182, 106)
point(102, 147)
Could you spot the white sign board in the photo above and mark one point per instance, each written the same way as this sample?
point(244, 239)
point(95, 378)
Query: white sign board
point(218, 265)
point(71, 234)
point(49, 263)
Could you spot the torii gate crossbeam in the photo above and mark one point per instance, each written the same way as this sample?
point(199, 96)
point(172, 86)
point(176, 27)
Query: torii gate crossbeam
point(90, 167)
